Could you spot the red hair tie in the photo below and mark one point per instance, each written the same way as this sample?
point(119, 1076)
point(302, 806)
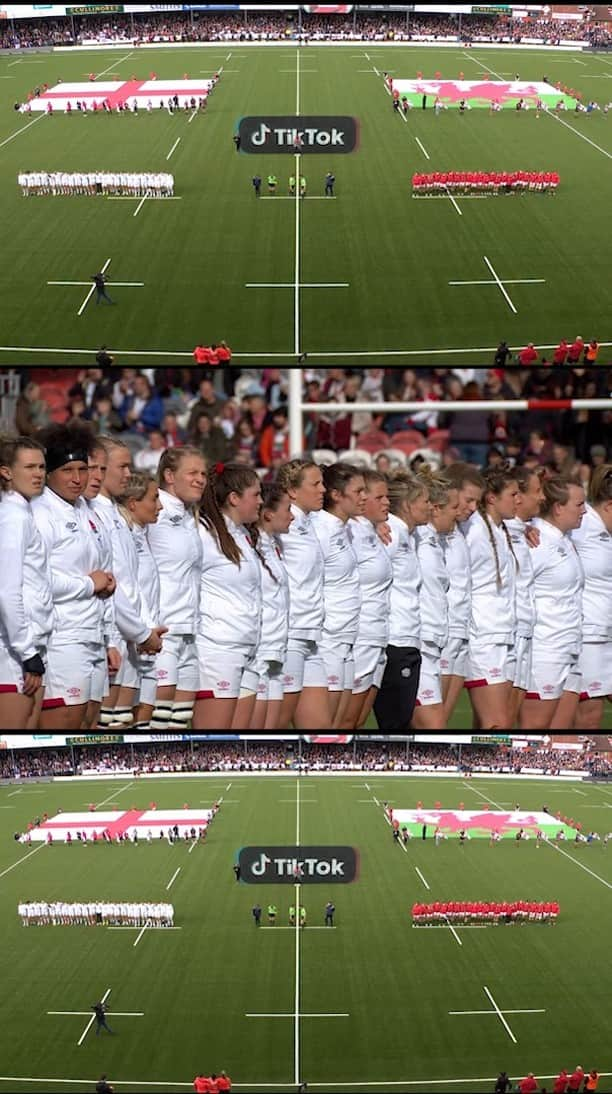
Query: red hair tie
point(219, 468)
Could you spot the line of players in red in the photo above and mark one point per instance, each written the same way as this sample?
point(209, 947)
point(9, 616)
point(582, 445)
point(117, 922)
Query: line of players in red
point(485, 181)
point(473, 911)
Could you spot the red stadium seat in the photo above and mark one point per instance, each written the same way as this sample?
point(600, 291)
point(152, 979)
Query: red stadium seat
point(373, 440)
point(439, 440)
point(407, 440)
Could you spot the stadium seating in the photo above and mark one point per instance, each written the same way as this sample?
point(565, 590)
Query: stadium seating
point(407, 440)
point(439, 440)
point(396, 455)
point(324, 455)
point(356, 455)
point(372, 440)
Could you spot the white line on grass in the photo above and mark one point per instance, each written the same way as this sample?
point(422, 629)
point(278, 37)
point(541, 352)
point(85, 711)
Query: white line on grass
point(117, 792)
point(140, 205)
point(22, 130)
point(85, 1014)
point(228, 57)
point(580, 864)
point(425, 153)
point(477, 61)
point(422, 878)
point(92, 1020)
point(579, 792)
point(120, 61)
point(500, 284)
point(453, 930)
point(12, 795)
point(8, 870)
point(500, 1015)
point(192, 116)
point(80, 312)
point(453, 201)
point(140, 936)
point(194, 843)
point(403, 116)
point(552, 114)
point(173, 879)
point(177, 141)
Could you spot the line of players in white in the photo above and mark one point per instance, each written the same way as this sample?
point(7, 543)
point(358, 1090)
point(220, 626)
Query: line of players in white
point(94, 913)
point(124, 183)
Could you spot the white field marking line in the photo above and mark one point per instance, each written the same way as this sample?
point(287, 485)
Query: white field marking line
point(500, 1015)
point(123, 284)
point(140, 936)
point(450, 926)
point(309, 929)
point(403, 846)
point(403, 116)
point(296, 314)
point(85, 1014)
point(292, 71)
point(126, 197)
point(117, 792)
point(385, 1084)
point(80, 312)
point(580, 864)
point(228, 57)
point(114, 66)
point(297, 923)
point(228, 787)
point(164, 929)
point(422, 878)
point(140, 205)
point(291, 801)
point(22, 130)
point(288, 197)
point(301, 1015)
point(577, 62)
point(8, 870)
point(12, 794)
point(14, 807)
point(579, 792)
point(500, 284)
point(539, 1011)
point(92, 1020)
point(552, 114)
point(300, 285)
point(193, 114)
point(453, 201)
point(507, 281)
point(194, 843)
point(173, 879)
point(11, 63)
point(177, 141)
point(477, 61)
point(426, 154)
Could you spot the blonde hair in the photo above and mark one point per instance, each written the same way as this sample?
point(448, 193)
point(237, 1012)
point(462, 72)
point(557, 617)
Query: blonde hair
point(171, 460)
point(404, 487)
point(437, 485)
point(556, 492)
point(136, 488)
point(290, 475)
point(600, 486)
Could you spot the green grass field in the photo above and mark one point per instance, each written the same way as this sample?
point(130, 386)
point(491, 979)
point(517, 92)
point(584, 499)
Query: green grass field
point(396, 984)
point(396, 254)
point(462, 715)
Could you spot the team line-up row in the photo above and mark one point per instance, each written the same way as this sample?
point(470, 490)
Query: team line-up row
point(94, 913)
point(160, 184)
point(485, 181)
point(305, 602)
point(469, 911)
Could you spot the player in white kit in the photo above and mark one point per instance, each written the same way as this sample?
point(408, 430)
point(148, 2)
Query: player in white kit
point(528, 501)
point(593, 541)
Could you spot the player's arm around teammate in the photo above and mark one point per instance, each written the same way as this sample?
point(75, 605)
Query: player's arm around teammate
point(305, 699)
point(375, 577)
point(26, 605)
point(554, 689)
point(345, 498)
point(230, 597)
point(593, 541)
point(177, 549)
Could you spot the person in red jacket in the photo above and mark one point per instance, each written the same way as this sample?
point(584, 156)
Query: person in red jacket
point(200, 354)
point(224, 353)
point(529, 355)
point(561, 1082)
point(224, 1082)
point(528, 1085)
point(200, 1084)
point(575, 351)
point(575, 1080)
point(274, 444)
point(560, 353)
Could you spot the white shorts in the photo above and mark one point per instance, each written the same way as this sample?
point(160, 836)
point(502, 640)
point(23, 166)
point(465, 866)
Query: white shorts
point(595, 665)
point(11, 671)
point(489, 663)
point(128, 675)
point(522, 671)
point(72, 672)
point(370, 665)
point(222, 670)
point(430, 688)
point(303, 667)
point(147, 691)
point(551, 677)
point(265, 678)
point(177, 664)
point(339, 662)
point(101, 681)
point(454, 659)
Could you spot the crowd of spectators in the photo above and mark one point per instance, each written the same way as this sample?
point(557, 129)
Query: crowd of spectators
point(178, 757)
point(246, 26)
point(242, 415)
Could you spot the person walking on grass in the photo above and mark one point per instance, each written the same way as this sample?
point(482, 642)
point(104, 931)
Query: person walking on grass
point(99, 280)
point(99, 1010)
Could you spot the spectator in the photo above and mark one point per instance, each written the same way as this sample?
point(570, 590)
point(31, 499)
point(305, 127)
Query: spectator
point(598, 455)
point(174, 436)
point(123, 387)
point(246, 442)
point(144, 409)
point(560, 353)
point(229, 418)
point(575, 351)
point(208, 401)
point(147, 459)
point(210, 439)
point(201, 354)
point(90, 386)
point(31, 412)
point(274, 444)
point(105, 417)
point(470, 430)
point(256, 408)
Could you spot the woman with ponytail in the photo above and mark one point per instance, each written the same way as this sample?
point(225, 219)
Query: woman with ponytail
point(265, 676)
point(230, 598)
point(528, 501)
point(491, 665)
point(554, 689)
point(593, 541)
point(429, 710)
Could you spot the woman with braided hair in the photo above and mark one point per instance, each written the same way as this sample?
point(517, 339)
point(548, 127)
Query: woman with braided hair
point(230, 598)
point(491, 666)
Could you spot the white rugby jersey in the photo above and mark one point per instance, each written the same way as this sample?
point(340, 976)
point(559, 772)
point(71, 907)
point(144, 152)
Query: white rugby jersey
point(492, 613)
point(375, 578)
point(305, 567)
point(559, 581)
point(275, 601)
point(405, 613)
point(524, 589)
point(457, 560)
point(148, 577)
point(26, 602)
point(434, 590)
point(73, 555)
point(103, 537)
point(341, 588)
point(594, 545)
point(129, 611)
point(230, 594)
point(177, 549)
